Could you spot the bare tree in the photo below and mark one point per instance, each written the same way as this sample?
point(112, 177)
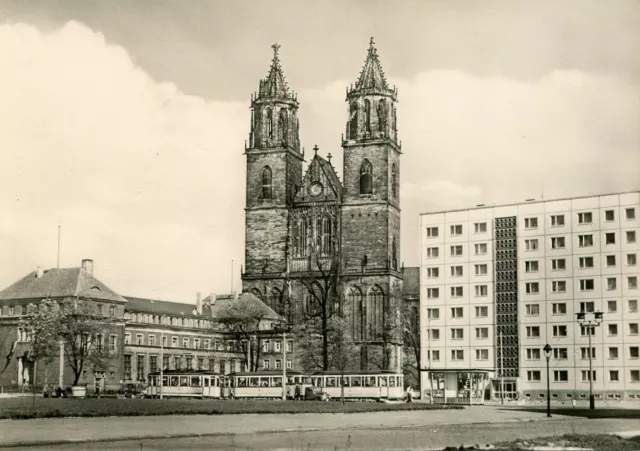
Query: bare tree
point(322, 289)
point(78, 325)
point(246, 320)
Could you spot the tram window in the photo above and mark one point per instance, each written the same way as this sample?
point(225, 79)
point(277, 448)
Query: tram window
point(264, 381)
point(184, 381)
point(206, 381)
point(174, 381)
point(347, 381)
point(400, 381)
point(392, 381)
point(255, 381)
point(277, 382)
point(356, 381)
point(195, 381)
point(331, 382)
point(242, 382)
point(370, 381)
point(164, 381)
point(383, 381)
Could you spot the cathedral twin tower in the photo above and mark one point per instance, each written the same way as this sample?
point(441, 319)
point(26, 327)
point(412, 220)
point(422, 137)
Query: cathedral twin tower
point(315, 245)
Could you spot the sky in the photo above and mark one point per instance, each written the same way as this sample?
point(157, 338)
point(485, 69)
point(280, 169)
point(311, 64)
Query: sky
point(124, 123)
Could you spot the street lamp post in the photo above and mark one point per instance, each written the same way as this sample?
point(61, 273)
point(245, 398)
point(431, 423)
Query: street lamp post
point(283, 329)
point(590, 320)
point(547, 354)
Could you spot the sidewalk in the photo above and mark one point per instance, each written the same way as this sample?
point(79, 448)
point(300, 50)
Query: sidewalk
point(73, 430)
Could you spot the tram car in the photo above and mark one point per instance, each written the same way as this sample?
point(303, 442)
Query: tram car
point(360, 385)
point(262, 384)
point(185, 384)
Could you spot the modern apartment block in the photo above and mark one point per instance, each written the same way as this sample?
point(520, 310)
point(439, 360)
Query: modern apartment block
point(500, 282)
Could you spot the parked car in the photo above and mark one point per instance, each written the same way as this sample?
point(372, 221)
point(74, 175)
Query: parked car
point(316, 394)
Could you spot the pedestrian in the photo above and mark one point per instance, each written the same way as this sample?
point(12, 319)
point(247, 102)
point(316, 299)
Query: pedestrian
point(297, 395)
point(97, 391)
point(409, 394)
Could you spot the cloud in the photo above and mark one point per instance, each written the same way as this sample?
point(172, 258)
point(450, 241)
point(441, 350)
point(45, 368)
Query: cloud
point(149, 181)
point(145, 179)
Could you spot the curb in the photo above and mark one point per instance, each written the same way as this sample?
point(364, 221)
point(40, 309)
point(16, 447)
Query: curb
point(233, 434)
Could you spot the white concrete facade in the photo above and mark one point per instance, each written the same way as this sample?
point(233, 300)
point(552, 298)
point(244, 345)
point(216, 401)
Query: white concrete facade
point(572, 254)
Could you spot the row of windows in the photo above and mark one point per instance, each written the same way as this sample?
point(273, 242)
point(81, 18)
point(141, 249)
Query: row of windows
point(482, 311)
point(560, 286)
point(173, 320)
point(457, 333)
point(563, 375)
point(188, 362)
point(563, 353)
point(206, 343)
point(457, 354)
point(561, 330)
point(557, 220)
point(18, 310)
point(560, 264)
point(560, 308)
point(458, 291)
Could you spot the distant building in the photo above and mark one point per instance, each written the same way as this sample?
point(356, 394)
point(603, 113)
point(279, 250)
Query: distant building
point(521, 272)
point(302, 226)
point(185, 331)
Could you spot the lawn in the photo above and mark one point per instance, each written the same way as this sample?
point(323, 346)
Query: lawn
point(21, 408)
point(595, 442)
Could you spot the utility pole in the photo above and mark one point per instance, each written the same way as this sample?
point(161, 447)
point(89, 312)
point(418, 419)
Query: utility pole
point(501, 371)
point(161, 357)
point(284, 364)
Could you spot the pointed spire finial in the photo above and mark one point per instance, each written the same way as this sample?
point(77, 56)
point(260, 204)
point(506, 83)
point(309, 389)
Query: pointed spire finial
point(315, 149)
point(329, 157)
point(371, 42)
point(275, 48)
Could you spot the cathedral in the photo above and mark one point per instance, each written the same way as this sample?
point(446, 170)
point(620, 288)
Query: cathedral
point(315, 243)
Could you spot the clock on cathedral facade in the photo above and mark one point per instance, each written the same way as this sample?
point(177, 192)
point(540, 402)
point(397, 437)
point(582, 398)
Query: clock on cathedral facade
point(306, 227)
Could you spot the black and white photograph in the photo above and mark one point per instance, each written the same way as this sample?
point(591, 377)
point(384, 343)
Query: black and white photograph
point(319, 225)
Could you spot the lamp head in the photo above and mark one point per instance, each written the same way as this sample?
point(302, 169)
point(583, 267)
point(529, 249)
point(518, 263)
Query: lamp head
point(547, 350)
point(598, 317)
point(580, 316)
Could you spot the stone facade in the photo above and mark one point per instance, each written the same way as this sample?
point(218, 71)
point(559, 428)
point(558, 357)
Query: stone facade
point(302, 227)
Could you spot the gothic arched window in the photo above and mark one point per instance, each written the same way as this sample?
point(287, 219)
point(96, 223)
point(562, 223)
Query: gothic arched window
point(267, 185)
point(382, 116)
point(277, 301)
point(367, 115)
point(356, 308)
point(270, 123)
point(300, 238)
point(374, 314)
point(394, 254)
point(327, 232)
point(353, 120)
point(366, 177)
point(394, 181)
point(283, 125)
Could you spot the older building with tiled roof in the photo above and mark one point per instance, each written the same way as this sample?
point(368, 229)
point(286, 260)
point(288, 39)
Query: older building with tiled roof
point(301, 225)
point(148, 333)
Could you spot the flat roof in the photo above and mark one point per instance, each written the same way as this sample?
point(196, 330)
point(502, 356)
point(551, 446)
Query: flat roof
point(483, 206)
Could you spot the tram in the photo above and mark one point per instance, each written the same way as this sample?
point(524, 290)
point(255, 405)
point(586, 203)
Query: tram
point(360, 384)
point(185, 384)
point(261, 384)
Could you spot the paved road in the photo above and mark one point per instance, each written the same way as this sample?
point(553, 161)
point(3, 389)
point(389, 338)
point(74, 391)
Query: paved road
point(113, 428)
point(396, 438)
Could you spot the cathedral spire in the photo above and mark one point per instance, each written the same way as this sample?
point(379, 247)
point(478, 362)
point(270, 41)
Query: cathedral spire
point(274, 86)
point(372, 75)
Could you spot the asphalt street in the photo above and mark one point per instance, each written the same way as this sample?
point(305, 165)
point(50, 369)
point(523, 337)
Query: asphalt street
point(361, 438)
